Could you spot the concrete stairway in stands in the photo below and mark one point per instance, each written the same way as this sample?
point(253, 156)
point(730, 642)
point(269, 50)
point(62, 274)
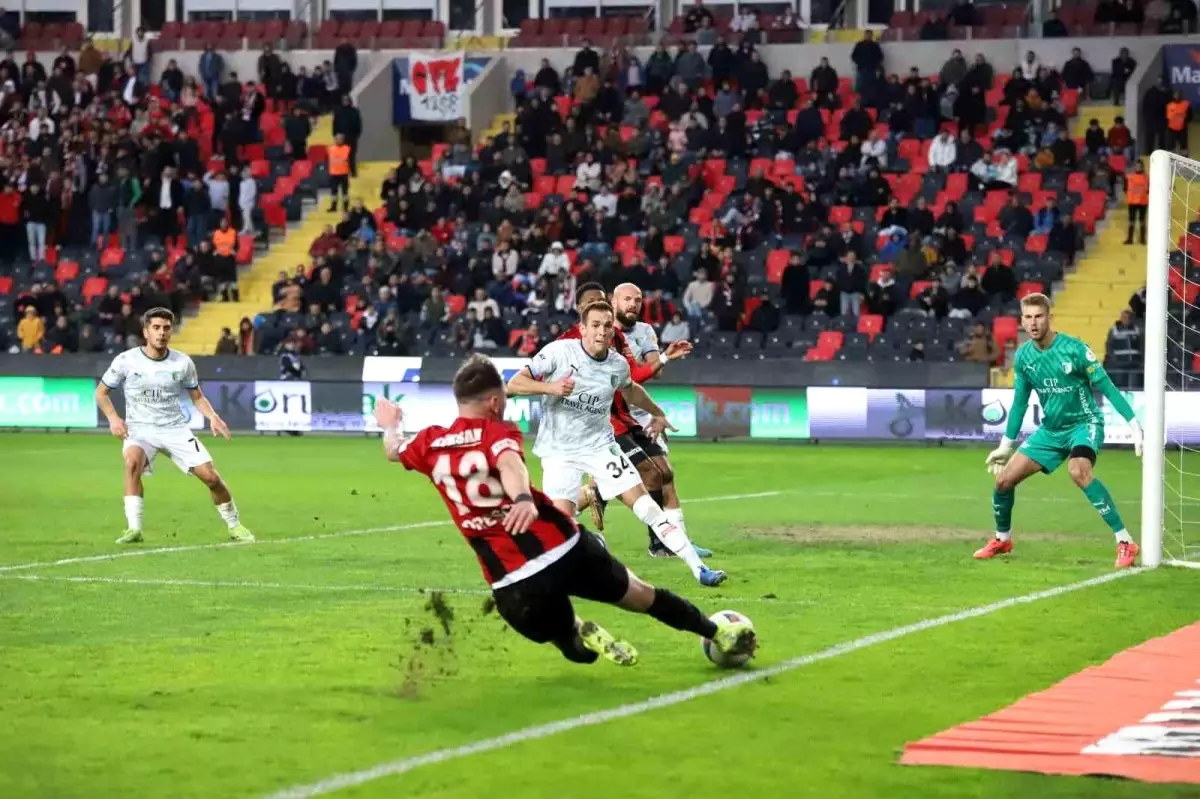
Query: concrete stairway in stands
point(200, 334)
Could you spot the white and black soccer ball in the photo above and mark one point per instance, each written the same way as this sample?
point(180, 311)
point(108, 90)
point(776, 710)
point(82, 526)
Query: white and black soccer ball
point(726, 661)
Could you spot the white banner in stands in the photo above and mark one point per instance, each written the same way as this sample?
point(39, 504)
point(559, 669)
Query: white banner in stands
point(437, 91)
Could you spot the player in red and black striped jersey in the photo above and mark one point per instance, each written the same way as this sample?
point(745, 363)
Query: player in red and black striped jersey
point(636, 443)
point(534, 557)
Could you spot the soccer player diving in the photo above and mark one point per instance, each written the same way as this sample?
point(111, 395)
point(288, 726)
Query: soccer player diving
point(534, 556)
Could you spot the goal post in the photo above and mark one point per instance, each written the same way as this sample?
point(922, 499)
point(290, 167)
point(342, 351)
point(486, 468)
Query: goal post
point(1171, 461)
point(1154, 385)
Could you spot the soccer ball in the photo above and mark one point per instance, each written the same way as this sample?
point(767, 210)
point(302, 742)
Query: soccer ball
point(717, 656)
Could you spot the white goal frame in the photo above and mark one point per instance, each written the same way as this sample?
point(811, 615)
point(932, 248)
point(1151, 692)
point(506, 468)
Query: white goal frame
point(1158, 249)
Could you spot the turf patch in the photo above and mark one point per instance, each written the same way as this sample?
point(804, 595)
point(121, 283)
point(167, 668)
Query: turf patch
point(871, 534)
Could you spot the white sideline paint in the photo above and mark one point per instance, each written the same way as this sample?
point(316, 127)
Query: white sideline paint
point(352, 778)
point(135, 553)
point(364, 588)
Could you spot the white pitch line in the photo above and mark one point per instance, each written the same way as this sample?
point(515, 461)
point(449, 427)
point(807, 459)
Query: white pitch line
point(333, 588)
point(391, 768)
point(135, 553)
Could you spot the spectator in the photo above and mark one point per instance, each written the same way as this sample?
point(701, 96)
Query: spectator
point(102, 203)
point(1054, 27)
point(347, 128)
point(998, 173)
point(825, 300)
point(675, 330)
point(695, 15)
point(1077, 72)
point(1047, 217)
point(969, 300)
point(934, 300)
point(481, 303)
point(1121, 70)
point(954, 70)
point(224, 242)
point(943, 152)
point(1120, 140)
point(212, 68)
point(978, 347)
point(296, 129)
point(851, 284)
point(698, 297)
point(1178, 118)
point(38, 215)
point(555, 263)
point(245, 339)
point(1125, 336)
point(89, 340)
point(31, 329)
point(138, 55)
point(1137, 198)
point(867, 56)
point(1154, 114)
point(345, 64)
point(61, 337)
point(911, 263)
point(1064, 238)
point(226, 344)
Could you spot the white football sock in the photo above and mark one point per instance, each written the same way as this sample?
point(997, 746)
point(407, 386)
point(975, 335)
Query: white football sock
point(1123, 536)
point(1003, 536)
point(671, 535)
point(133, 512)
point(229, 513)
point(675, 517)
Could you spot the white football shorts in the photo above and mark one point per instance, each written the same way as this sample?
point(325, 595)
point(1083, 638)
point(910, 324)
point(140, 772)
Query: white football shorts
point(562, 475)
point(179, 443)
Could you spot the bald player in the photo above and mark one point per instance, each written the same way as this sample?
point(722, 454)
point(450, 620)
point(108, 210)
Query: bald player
point(648, 454)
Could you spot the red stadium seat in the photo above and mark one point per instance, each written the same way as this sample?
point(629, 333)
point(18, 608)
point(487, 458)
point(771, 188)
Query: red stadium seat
point(93, 289)
point(66, 271)
point(870, 324)
point(112, 256)
point(1027, 287)
point(456, 304)
point(6, 284)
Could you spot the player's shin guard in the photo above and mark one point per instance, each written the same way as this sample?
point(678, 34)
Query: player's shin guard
point(673, 538)
point(657, 496)
point(133, 512)
point(1002, 507)
point(675, 611)
point(229, 513)
point(1102, 501)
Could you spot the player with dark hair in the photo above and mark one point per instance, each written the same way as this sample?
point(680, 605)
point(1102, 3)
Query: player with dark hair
point(579, 381)
point(643, 451)
point(534, 556)
point(155, 378)
point(1064, 372)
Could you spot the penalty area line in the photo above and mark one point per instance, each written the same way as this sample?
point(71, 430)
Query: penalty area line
point(137, 553)
point(391, 768)
point(362, 588)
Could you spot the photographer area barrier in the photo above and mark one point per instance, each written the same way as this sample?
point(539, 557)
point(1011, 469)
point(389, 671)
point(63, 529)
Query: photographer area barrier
point(700, 412)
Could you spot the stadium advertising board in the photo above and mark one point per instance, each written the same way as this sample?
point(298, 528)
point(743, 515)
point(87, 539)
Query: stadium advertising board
point(819, 412)
point(66, 402)
point(1181, 65)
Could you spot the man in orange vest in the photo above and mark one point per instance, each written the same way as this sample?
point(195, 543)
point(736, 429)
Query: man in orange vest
point(339, 172)
point(224, 240)
point(1179, 114)
point(1137, 197)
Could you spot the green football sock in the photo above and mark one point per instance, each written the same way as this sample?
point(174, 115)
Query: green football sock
point(1102, 501)
point(1002, 505)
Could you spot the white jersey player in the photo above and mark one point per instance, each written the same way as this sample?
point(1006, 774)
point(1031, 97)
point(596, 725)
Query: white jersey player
point(644, 343)
point(575, 437)
point(154, 379)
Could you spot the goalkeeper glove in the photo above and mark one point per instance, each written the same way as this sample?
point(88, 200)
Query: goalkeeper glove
point(998, 457)
point(1135, 430)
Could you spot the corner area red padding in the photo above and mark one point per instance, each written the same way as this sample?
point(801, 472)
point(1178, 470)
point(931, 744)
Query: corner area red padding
point(1136, 716)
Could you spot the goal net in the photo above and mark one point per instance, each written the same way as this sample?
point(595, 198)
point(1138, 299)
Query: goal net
point(1171, 389)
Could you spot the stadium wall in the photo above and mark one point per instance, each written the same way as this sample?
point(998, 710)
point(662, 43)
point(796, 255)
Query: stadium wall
point(702, 412)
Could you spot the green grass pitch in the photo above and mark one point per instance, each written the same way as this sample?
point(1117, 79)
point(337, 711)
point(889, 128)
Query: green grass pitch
point(241, 671)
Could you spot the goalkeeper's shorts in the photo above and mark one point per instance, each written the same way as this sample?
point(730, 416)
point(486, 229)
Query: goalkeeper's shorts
point(1050, 448)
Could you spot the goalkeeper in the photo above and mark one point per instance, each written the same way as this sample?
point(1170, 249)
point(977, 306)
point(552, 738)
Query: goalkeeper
point(1064, 373)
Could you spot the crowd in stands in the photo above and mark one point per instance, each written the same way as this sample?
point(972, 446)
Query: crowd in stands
point(117, 195)
point(756, 211)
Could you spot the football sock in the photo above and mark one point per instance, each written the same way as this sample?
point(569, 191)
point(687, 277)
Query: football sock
point(1102, 501)
point(229, 513)
point(573, 649)
point(133, 512)
point(1002, 505)
point(675, 611)
point(1123, 537)
point(657, 496)
point(672, 537)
